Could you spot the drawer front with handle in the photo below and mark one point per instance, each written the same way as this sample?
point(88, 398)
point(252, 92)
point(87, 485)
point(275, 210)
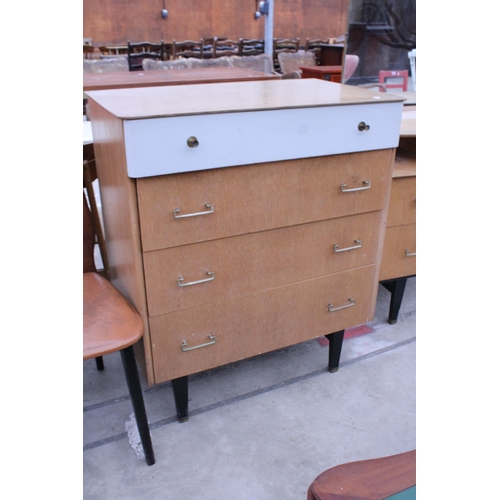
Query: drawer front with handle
point(160, 146)
point(400, 255)
point(196, 339)
point(403, 202)
point(200, 206)
point(192, 275)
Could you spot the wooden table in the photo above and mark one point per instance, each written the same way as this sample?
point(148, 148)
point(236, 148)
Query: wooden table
point(157, 78)
point(329, 73)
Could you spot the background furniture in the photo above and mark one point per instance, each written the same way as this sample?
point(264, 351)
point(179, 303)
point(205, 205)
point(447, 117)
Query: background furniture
point(137, 52)
point(160, 77)
point(111, 324)
point(293, 61)
point(108, 65)
point(88, 51)
point(403, 74)
point(215, 245)
point(226, 48)
point(412, 56)
point(375, 479)
point(332, 54)
point(399, 256)
point(187, 48)
point(252, 47)
point(328, 73)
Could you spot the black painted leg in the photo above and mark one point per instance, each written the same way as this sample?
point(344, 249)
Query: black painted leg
point(397, 289)
point(180, 388)
point(135, 390)
point(99, 363)
point(336, 339)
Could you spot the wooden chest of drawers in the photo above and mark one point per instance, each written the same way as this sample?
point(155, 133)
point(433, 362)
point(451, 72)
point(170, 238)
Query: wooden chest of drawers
point(243, 217)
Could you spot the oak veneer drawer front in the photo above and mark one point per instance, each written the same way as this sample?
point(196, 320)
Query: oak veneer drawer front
point(399, 257)
point(258, 323)
point(259, 197)
point(403, 201)
point(221, 269)
point(159, 146)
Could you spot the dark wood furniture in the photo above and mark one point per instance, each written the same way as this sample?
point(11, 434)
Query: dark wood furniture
point(328, 73)
point(252, 47)
point(332, 54)
point(188, 48)
point(375, 479)
point(136, 52)
point(159, 78)
point(226, 48)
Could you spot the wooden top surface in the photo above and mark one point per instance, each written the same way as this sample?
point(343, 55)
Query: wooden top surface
point(409, 121)
point(150, 102)
point(133, 79)
point(323, 69)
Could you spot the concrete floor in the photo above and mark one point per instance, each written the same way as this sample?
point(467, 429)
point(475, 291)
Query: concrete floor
point(263, 428)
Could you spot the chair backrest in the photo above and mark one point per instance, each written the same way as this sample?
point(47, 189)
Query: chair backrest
point(109, 65)
point(149, 64)
point(261, 62)
point(137, 52)
point(351, 62)
point(223, 48)
point(292, 61)
point(314, 45)
point(88, 51)
point(88, 239)
point(251, 46)
point(188, 48)
point(384, 75)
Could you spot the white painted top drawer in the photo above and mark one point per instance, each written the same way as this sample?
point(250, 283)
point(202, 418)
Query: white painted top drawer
point(158, 146)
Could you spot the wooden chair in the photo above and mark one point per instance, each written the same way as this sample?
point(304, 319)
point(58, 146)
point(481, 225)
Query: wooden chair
point(314, 45)
point(284, 45)
point(187, 48)
point(260, 62)
point(251, 46)
point(108, 65)
point(384, 75)
point(88, 51)
point(223, 48)
point(104, 50)
point(137, 52)
point(111, 324)
point(293, 61)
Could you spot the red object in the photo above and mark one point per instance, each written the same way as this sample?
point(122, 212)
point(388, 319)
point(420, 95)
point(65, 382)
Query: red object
point(382, 75)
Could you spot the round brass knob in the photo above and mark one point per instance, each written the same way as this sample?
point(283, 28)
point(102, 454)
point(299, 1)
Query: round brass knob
point(363, 126)
point(192, 142)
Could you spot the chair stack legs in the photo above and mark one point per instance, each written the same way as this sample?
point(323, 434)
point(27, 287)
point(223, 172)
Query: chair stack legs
point(135, 390)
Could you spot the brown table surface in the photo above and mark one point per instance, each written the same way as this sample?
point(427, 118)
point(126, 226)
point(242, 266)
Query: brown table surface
point(156, 78)
point(323, 69)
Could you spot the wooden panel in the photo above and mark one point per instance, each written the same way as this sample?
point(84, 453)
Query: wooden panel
point(258, 323)
point(395, 263)
point(112, 21)
point(403, 202)
point(255, 262)
point(259, 197)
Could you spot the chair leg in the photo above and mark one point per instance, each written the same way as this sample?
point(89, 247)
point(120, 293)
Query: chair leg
point(99, 362)
point(335, 348)
point(180, 388)
point(135, 390)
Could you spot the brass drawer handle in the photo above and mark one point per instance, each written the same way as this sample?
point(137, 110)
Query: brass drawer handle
point(180, 280)
point(332, 309)
point(177, 211)
point(192, 142)
point(409, 254)
point(363, 126)
point(337, 249)
point(185, 348)
point(367, 185)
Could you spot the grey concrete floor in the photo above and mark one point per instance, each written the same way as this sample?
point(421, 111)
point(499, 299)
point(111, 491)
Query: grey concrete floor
point(263, 428)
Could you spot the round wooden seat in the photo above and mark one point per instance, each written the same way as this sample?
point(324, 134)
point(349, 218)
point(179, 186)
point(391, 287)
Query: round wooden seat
point(374, 479)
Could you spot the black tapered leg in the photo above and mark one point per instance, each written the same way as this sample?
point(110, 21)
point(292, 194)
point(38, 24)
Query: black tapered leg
point(135, 390)
point(99, 363)
point(397, 289)
point(336, 339)
point(180, 388)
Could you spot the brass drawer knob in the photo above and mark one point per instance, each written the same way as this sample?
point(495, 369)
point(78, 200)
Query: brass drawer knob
point(192, 142)
point(363, 126)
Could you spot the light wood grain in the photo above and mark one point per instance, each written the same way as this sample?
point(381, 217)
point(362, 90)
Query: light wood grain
point(259, 261)
point(395, 263)
point(235, 96)
point(258, 323)
point(259, 197)
point(403, 202)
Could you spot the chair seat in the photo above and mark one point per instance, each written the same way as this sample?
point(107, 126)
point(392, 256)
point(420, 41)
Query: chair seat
point(110, 323)
point(373, 479)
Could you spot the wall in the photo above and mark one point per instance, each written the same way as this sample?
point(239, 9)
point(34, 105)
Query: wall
point(115, 21)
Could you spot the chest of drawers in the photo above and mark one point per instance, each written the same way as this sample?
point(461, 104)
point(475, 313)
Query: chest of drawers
point(243, 217)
